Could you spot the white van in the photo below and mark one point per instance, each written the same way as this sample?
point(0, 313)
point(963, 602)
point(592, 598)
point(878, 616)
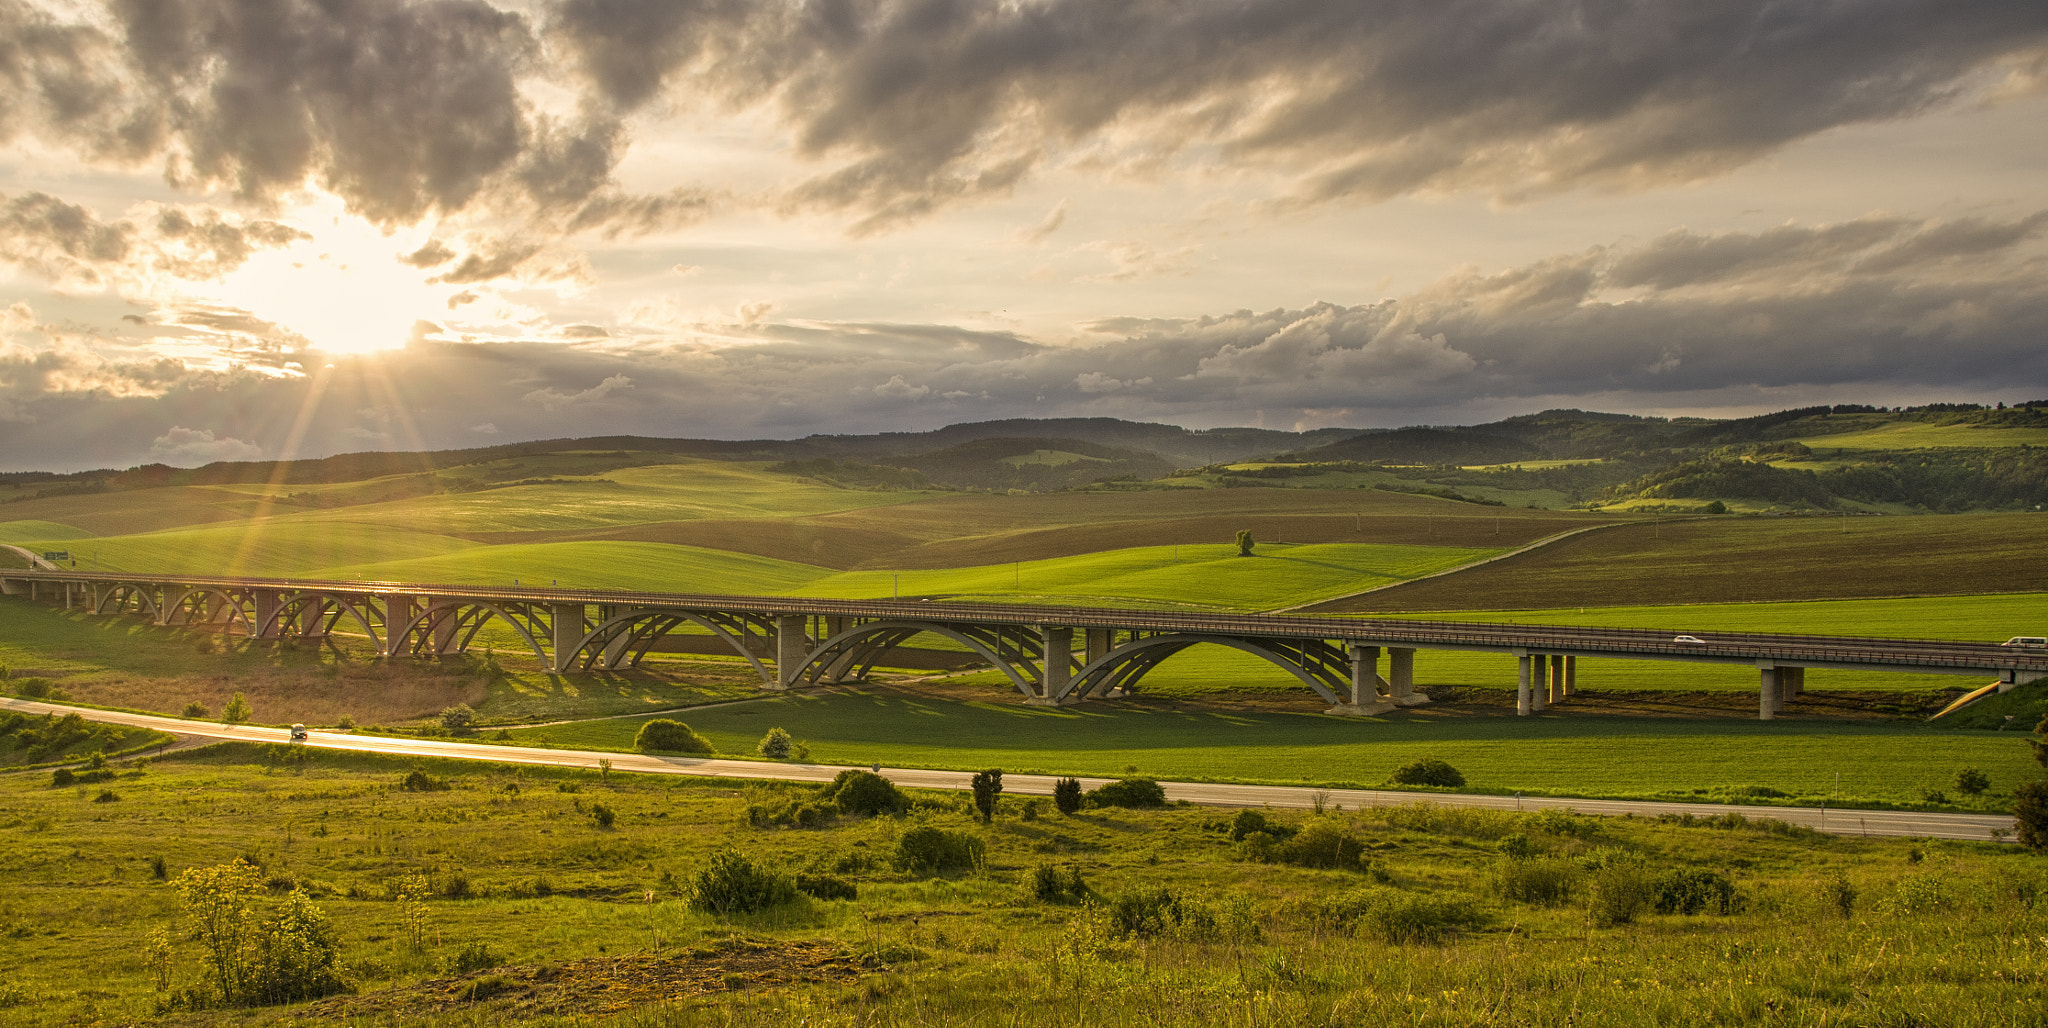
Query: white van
point(2032, 642)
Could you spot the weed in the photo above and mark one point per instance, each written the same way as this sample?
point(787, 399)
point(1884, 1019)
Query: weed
point(473, 958)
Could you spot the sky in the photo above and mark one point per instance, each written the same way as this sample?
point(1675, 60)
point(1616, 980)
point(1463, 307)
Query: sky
point(256, 229)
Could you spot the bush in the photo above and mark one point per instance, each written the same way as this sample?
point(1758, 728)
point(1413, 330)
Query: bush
point(1544, 880)
point(1693, 890)
point(286, 958)
point(826, 887)
point(417, 780)
point(1838, 895)
point(346, 724)
point(1323, 843)
point(40, 689)
point(1428, 771)
point(1972, 782)
point(929, 850)
point(603, 815)
point(2030, 814)
point(1621, 888)
point(473, 958)
point(775, 745)
point(196, 711)
point(459, 719)
point(237, 711)
point(783, 810)
point(1249, 822)
point(1128, 792)
point(987, 785)
point(731, 884)
point(865, 794)
point(1518, 847)
point(663, 735)
point(1066, 795)
point(1395, 916)
point(61, 777)
point(1051, 884)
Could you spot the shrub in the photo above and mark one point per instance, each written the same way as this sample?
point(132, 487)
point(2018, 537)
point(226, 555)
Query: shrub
point(288, 957)
point(1324, 843)
point(473, 958)
point(1066, 795)
point(775, 745)
point(459, 719)
point(603, 815)
point(987, 785)
point(1544, 880)
point(826, 887)
point(866, 794)
point(237, 711)
point(1693, 890)
point(1033, 809)
point(1128, 792)
point(346, 724)
point(1518, 847)
point(783, 810)
point(417, 780)
point(1838, 895)
point(663, 735)
point(1972, 782)
point(731, 884)
point(1622, 887)
point(196, 711)
point(1394, 916)
point(2030, 815)
point(1051, 884)
point(1249, 822)
point(61, 777)
point(106, 796)
point(1428, 771)
point(928, 850)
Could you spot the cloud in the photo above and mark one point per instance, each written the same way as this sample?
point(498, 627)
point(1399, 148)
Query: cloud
point(551, 399)
point(898, 389)
point(70, 244)
point(1039, 233)
point(193, 447)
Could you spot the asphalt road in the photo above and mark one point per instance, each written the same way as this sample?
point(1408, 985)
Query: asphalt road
point(1897, 823)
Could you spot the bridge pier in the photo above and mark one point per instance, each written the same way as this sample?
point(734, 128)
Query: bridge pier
point(566, 621)
point(1523, 706)
point(1767, 693)
point(1571, 676)
point(1365, 679)
point(1058, 673)
point(399, 610)
point(1557, 690)
point(792, 647)
point(1539, 682)
point(266, 613)
point(1401, 677)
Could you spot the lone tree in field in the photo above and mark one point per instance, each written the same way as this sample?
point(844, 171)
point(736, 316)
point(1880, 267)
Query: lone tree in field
point(987, 786)
point(237, 711)
point(1066, 795)
point(664, 735)
point(775, 745)
point(1244, 542)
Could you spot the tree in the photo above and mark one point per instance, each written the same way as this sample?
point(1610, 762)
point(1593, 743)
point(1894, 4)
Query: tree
point(775, 745)
point(1971, 782)
point(1066, 795)
point(1244, 542)
point(237, 711)
point(459, 719)
point(987, 786)
point(2030, 800)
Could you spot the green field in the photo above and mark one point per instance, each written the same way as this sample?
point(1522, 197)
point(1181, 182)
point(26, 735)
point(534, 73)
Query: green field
point(1919, 435)
point(1595, 757)
point(268, 548)
point(567, 921)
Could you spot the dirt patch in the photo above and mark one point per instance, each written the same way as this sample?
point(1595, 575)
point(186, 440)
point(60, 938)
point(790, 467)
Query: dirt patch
point(608, 984)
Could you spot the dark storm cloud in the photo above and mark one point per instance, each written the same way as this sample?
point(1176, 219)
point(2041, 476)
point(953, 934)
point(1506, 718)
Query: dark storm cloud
point(1830, 313)
point(67, 242)
point(917, 103)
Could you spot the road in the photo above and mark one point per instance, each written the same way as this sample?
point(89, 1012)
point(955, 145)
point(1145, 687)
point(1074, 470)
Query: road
point(1896, 823)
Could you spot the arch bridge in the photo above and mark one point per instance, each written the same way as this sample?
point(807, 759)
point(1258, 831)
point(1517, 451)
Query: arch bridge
point(1051, 655)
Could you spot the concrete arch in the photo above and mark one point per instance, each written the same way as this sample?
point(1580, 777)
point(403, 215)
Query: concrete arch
point(465, 627)
point(1124, 665)
point(639, 631)
point(118, 597)
point(291, 608)
point(228, 602)
point(865, 643)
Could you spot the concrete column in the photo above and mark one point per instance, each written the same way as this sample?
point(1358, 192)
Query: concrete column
point(1539, 682)
point(1571, 676)
point(1098, 645)
point(1059, 668)
point(1365, 674)
point(313, 617)
point(567, 621)
point(1767, 694)
point(835, 624)
point(398, 613)
point(1523, 704)
point(790, 648)
point(266, 607)
point(1797, 686)
point(1557, 691)
point(1401, 677)
point(442, 637)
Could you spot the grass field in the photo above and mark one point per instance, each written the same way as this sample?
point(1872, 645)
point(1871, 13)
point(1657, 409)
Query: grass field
point(1723, 560)
point(653, 567)
point(267, 548)
point(574, 923)
point(1917, 436)
point(1604, 757)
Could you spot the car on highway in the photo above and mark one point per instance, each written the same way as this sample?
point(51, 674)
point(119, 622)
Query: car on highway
point(299, 733)
point(2032, 642)
point(1689, 640)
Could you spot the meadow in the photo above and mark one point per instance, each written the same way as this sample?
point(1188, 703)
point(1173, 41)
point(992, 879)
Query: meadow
point(497, 895)
point(1879, 764)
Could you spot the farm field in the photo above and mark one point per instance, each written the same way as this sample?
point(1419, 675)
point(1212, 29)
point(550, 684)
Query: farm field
point(1880, 764)
point(1732, 560)
point(498, 896)
point(1921, 435)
